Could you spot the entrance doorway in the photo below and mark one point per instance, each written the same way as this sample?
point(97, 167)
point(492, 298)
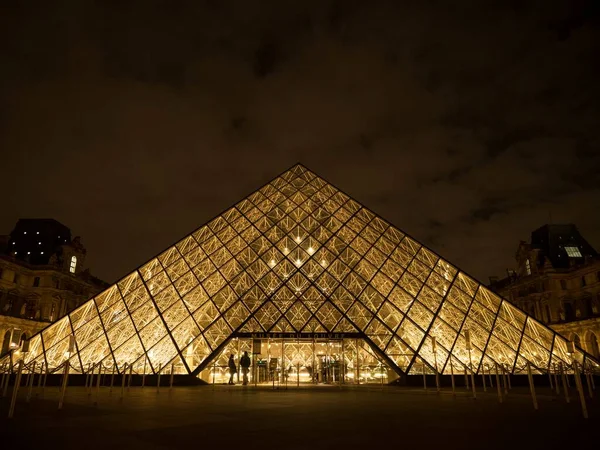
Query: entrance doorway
point(300, 361)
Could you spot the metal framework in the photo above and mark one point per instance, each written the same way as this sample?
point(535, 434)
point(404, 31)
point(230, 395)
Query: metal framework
point(299, 255)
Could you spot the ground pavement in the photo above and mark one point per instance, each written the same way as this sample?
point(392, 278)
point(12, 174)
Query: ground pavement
point(297, 418)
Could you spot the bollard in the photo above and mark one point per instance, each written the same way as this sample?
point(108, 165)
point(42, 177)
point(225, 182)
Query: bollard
point(39, 385)
point(424, 378)
point(498, 385)
point(98, 382)
point(158, 380)
point(91, 384)
point(580, 389)
point(172, 376)
point(588, 377)
point(531, 386)
point(144, 374)
point(123, 380)
point(112, 379)
point(63, 389)
point(45, 378)
point(483, 377)
point(13, 400)
point(564, 383)
point(31, 380)
point(130, 376)
point(473, 383)
point(3, 379)
point(452, 377)
point(5, 387)
point(87, 376)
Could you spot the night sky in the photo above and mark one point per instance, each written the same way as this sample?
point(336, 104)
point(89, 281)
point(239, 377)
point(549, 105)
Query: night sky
point(466, 124)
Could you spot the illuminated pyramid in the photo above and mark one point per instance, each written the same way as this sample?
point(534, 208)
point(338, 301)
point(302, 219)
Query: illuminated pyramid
point(295, 258)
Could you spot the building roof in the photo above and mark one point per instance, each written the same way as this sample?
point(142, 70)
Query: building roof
point(563, 245)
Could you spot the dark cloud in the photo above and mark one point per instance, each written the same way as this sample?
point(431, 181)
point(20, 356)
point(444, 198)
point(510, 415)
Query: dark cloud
point(466, 124)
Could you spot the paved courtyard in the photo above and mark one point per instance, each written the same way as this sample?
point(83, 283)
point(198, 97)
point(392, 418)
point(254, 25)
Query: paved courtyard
point(309, 418)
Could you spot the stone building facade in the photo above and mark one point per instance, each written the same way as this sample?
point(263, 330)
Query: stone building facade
point(557, 280)
point(37, 289)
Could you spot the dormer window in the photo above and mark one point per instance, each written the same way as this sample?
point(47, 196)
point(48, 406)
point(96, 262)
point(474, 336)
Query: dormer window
point(573, 252)
point(527, 267)
point(73, 265)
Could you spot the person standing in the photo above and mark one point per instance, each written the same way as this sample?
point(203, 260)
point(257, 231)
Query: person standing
point(232, 369)
point(245, 363)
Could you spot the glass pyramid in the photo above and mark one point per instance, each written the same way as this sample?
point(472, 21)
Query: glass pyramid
point(299, 256)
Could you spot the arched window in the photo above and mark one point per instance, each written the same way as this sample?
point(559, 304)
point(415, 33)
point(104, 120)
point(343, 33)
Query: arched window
point(592, 345)
point(73, 265)
point(576, 339)
point(6, 342)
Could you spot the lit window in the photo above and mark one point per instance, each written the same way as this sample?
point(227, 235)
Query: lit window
point(73, 264)
point(573, 252)
point(528, 267)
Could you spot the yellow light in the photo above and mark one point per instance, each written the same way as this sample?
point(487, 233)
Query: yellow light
point(298, 262)
point(272, 263)
point(286, 251)
point(298, 239)
point(323, 262)
point(310, 250)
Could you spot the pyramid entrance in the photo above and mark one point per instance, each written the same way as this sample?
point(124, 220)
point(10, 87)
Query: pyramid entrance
point(299, 258)
point(301, 359)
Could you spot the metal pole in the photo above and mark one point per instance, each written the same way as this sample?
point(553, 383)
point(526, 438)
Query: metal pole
point(437, 374)
point(580, 389)
point(63, 389)
point(505, 379)
point(588, 377)
point(531, 386)
point(10, 369)
point(31, 380)
point(130, 376)
point(124, 374)
point(452, 376)
point(45, 378)
point(483, 377)
point(298, 374)
point(98, 382)
point(144, 373)
point(91, 380)
point(87, 376)
point(466, 379)
point(13, 400)
point(424, 378)
point(567, 377)
point(112, 379)
point(172, 375)
point(343, 378)
point(564, 382)
point(498, 384)
point(550, 379)
point(491, 379)
point(556, 383)
point(39, 385)
point(357, 364)
point(158, 379)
